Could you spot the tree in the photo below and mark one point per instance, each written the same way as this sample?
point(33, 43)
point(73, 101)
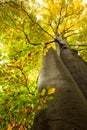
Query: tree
point(28, 28)
point(77, 67)
point(68, 109)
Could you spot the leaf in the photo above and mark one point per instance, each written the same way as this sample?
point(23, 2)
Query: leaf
point(49, 98)
point(39, 107)
point(28, 109)
point(21, 127)
point(13, 122)
point(51, 91)
point(9, 128)
point(43, 92)
point(42, 101)
point(44, 106)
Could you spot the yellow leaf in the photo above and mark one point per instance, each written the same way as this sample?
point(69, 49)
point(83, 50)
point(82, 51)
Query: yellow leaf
point(43, 101)
point(48, 46)
point(51, 91)
point(38, 107)
point(25, 119)
point(9, 128)
point(43, 92)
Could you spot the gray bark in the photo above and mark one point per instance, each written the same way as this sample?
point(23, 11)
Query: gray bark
point(68, 109)
point(76, 66)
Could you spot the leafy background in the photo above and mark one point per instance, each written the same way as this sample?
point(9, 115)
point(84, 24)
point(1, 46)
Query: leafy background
point(27, 29)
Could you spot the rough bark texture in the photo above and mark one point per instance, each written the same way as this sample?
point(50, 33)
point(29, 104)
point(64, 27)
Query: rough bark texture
point(68, 109)
point(76, 66)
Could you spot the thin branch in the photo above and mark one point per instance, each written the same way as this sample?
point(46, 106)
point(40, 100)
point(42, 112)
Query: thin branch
point(81, 49)
point(66, 30)
point(50, 25)
point(29, 17)
point(23, 73)
point(66, 16)
point(59, 19)
point(36, 22)
point(69, 27)
point(70, 35)
point(74, 13)
point(78, 45)
point(28, 40)
point(34, 44)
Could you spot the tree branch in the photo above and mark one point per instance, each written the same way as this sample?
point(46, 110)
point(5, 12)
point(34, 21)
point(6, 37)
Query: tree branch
point(59, 21)
point(70, 35)
point(36, 22)
point(67, 30)
point(78, 45)
point(34, 44)
point(50, 25)
point(21, 7)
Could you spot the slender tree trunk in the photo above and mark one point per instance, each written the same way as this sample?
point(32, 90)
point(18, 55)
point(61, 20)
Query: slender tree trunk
point(68, 109)
point(76, 66)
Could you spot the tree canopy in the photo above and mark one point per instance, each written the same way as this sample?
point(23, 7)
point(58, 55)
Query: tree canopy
point(27, 29)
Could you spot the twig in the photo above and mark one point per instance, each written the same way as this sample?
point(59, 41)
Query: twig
point(78, 45)
point(70, 35)
point(59, 21)
point(66, 30)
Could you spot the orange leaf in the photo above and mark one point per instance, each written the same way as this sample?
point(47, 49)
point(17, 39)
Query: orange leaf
point(51, 91)
point(28, 109)
point(22, 127)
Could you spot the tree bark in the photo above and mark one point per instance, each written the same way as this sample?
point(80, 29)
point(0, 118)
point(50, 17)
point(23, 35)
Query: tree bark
point(76, 66)
point(68, 109)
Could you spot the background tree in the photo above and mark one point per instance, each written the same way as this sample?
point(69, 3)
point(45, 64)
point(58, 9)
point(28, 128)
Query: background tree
point(26, 28)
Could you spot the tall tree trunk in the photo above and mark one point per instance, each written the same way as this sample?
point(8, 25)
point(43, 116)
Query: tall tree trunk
point(76, 66)
point(68, 109)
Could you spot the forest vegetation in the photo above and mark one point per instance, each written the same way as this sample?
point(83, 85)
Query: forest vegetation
point(28, 28)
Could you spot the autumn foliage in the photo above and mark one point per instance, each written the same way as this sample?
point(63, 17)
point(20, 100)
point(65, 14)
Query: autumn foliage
point(27, 29)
